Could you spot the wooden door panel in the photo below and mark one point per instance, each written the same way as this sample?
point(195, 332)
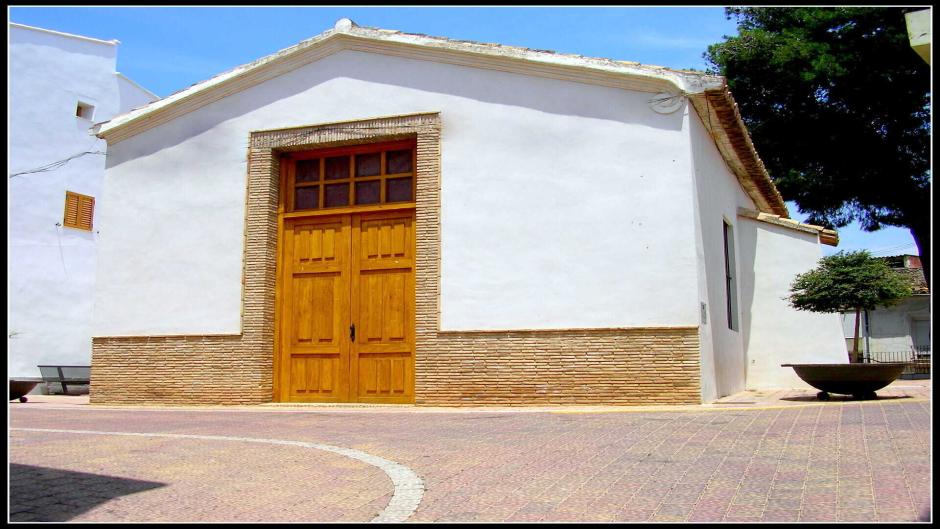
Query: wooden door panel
point(383, 310)
point(385, 377)
point(315, 244)
point(316, 376)
point(315, 316)
point(383, 307)
point(383, 238)
point(386, 243)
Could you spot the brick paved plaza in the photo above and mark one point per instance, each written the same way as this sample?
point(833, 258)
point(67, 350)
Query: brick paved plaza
point(745, 460)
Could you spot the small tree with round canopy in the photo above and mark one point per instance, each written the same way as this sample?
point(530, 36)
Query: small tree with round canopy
point(848, 281)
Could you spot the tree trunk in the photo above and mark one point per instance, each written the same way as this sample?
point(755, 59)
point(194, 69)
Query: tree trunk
point(854, 357)
point(921, 234)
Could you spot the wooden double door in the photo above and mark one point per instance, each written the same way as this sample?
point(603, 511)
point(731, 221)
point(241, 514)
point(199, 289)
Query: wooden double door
point(346, 308)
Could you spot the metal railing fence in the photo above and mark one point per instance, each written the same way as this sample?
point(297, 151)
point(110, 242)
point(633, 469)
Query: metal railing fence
point(917, 360)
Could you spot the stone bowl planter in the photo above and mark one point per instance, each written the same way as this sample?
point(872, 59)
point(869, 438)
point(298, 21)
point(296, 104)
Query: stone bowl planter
point(19, 389)
point(859, 380)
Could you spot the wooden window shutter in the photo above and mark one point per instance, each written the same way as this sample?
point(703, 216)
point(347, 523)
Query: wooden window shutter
point(79, 211)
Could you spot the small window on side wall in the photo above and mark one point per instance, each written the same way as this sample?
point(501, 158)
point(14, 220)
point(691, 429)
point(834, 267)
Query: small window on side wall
point(84, 110)
point(79, 211)
point(731, 280)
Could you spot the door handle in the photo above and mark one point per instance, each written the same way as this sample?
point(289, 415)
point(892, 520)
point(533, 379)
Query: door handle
point(352, 332)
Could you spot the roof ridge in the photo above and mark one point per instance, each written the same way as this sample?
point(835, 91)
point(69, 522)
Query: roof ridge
point(533, 50)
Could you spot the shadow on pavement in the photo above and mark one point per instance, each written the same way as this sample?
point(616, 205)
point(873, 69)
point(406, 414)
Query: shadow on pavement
point(834, 397)
point(42, 494)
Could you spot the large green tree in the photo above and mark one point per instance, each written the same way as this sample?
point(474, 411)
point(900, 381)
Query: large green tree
point(838, 106)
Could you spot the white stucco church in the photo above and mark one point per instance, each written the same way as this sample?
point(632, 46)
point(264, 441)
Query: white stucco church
point(374, 216)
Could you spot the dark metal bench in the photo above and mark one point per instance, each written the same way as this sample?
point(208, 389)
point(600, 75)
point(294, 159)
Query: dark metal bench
point(66, 375)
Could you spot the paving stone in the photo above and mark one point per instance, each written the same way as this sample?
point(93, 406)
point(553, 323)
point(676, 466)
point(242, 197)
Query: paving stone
point(780, 515)
point(838, 461)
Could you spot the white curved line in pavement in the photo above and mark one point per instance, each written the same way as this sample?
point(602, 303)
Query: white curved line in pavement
point(409, 488)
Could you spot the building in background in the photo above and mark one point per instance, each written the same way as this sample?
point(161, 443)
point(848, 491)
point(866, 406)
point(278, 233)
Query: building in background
point(60, 85)
point(900, 333)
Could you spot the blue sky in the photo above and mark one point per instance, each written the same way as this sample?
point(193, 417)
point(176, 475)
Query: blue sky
point(168, 49)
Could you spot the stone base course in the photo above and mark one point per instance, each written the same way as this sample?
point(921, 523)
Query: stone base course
point(607, 366)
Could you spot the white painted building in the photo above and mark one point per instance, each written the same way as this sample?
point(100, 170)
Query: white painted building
point(900, 332)
point(60, 84)
point(578, 198)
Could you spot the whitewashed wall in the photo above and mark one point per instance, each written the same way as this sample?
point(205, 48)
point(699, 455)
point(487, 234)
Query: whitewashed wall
point(779, 334)
point(888, 330)
point(131, 95)
point(892, 328)
point(718, 197)
point(51, 269)
point(564, 204)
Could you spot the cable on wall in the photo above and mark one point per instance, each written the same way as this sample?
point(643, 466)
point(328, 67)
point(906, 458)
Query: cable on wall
point(55, 165)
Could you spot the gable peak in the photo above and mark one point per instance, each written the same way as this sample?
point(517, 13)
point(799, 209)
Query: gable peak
point(343, 25)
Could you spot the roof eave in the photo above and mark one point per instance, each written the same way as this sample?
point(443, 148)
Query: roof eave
point(507, 58)
point(722, 119)
point(826, 236)
point(197, 95)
